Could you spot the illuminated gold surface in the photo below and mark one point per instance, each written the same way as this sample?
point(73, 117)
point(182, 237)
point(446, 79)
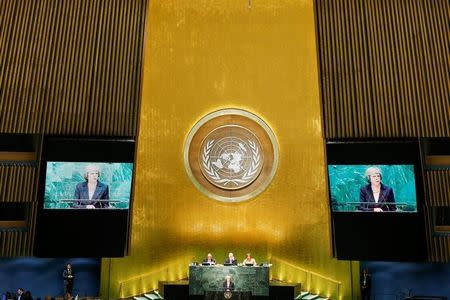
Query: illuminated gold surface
point(17, 156)
point(437, 160)
point(202, 56)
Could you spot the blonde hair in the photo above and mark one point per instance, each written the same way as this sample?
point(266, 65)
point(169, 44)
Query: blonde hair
point(372, 171)
point(89, 169)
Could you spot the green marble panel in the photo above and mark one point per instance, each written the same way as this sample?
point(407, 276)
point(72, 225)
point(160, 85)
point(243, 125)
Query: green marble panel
point(246, 279)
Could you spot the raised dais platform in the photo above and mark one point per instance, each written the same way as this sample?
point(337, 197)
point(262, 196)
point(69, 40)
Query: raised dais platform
point(179, 290)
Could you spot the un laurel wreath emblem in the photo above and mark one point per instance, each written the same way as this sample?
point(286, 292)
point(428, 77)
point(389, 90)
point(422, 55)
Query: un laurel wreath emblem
point(231, 155)
point(227, 295)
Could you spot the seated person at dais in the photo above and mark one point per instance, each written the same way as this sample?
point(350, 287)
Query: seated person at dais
point(249, 260)
point(230, 260)
point(209, 260)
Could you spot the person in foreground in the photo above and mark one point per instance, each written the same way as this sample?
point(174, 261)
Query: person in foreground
point(228, 285)
point(209, 260)
point(230, 260)
point(249, 260)
point(91, 189)
point(68, 296)
point(365, 284)
point(19, 294)
point(376, 196)
point(27, 296)
point(68, 276)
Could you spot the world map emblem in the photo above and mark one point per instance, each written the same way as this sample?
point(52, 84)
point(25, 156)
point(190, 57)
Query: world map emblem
point(231, 155)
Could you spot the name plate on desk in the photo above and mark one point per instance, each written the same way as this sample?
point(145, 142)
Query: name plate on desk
point(204, 279)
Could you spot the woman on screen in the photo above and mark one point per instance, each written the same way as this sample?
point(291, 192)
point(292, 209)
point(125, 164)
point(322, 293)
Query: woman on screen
point(376, 196)
point(92, 192)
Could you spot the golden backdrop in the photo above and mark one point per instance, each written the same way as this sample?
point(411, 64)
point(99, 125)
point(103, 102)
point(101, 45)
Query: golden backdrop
point(202, 56)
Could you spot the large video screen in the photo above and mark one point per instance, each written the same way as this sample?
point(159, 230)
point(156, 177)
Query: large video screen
point(376, 195)
point(84, 194)
point(87, 185)
point(372, 188)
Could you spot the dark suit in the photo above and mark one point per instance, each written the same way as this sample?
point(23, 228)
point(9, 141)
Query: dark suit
point(366, 283)
point(386, 196)
point(228, 261)
point(68, 280)
point(101, 193)
point(228, 288)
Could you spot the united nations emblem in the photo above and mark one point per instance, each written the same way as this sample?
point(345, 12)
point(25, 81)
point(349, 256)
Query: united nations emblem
point(231, 155)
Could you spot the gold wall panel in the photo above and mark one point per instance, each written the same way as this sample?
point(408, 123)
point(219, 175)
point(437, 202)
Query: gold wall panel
point(384, 67)
point(71, 67)
point(201, 56)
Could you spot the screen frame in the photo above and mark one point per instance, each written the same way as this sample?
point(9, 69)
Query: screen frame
point(377, 236)
point(111, 226)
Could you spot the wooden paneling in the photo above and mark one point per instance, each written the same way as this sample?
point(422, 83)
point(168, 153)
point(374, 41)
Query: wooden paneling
point(18, 182)
point(384, 73)
point(438, 244)
point(19, 242)
point(67, 68)
point(438, 187)
point(71, 67)
point(17, 156)
point(437, 182)
point(384, 67)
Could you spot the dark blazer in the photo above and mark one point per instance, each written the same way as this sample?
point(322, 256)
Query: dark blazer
point(101, 193)
point(66, 277)
point(230, 262)
point(229, 288)
point(386, 197)
point(365, 282)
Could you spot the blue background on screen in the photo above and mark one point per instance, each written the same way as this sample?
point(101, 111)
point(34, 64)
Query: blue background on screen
point(62, 177)
point(346, 180)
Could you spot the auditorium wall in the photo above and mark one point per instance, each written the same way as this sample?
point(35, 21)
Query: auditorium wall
point(201, 56)
point(67, 68)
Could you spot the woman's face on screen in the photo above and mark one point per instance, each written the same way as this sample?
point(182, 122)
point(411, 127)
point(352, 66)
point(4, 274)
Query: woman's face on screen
point(92, 176)
point(375, 178)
